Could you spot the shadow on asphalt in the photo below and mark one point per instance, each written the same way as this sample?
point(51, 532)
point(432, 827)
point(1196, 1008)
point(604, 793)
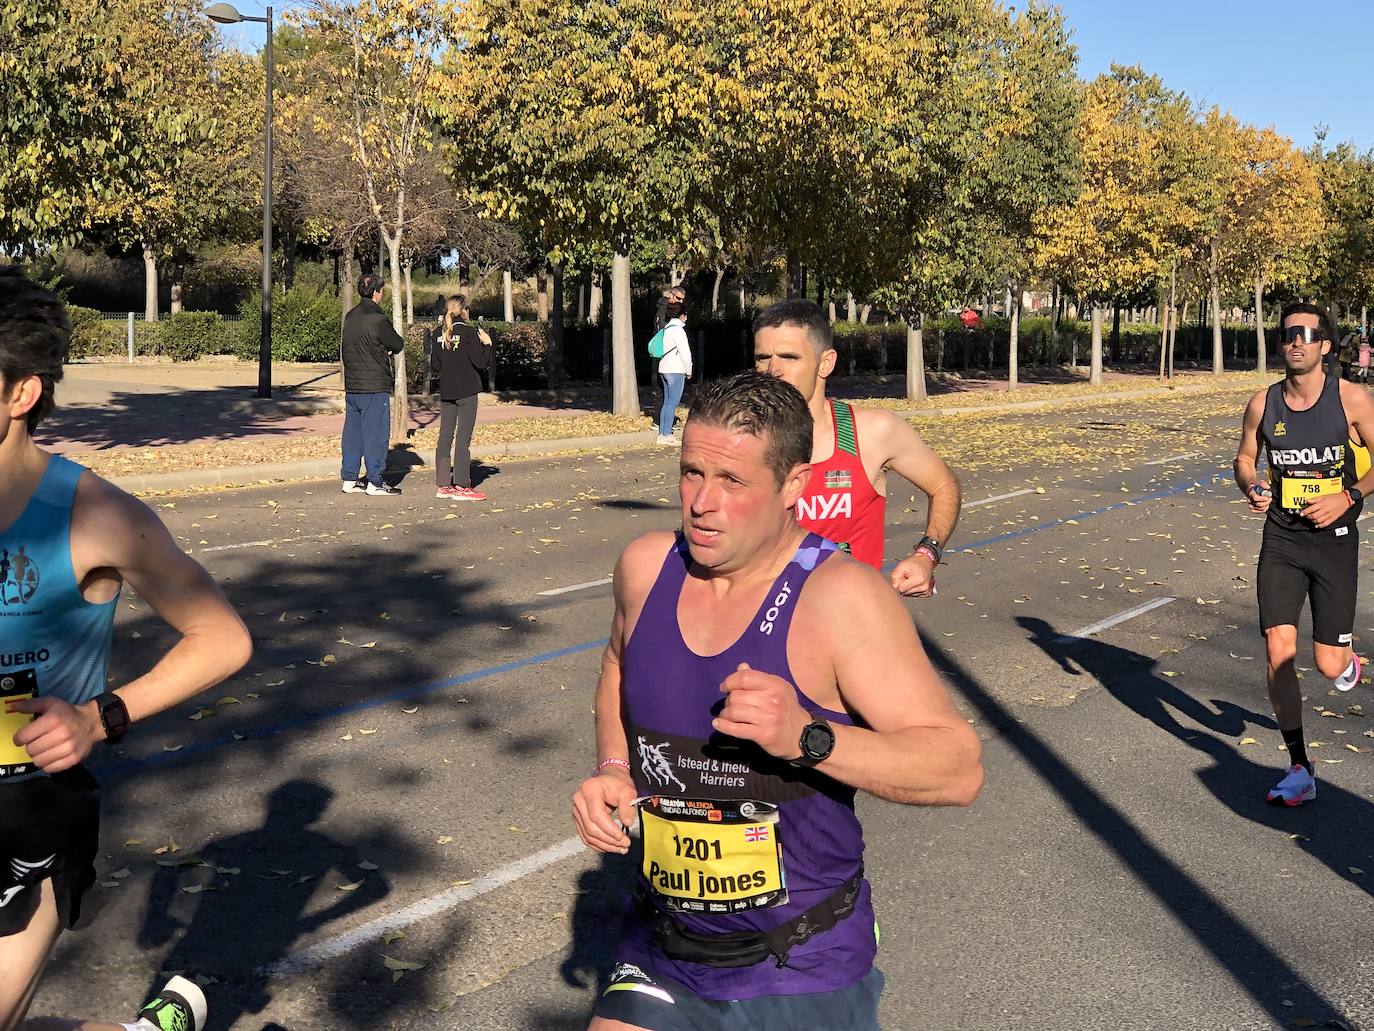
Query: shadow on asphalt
point(164, 416)
point(1255, 967)
point(1238, 783)
point(310, 620)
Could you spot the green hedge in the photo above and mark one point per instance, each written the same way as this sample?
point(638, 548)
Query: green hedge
point(189, 335)
point(305, 326)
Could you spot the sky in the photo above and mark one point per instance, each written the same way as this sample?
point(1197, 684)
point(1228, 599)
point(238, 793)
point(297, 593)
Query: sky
point(1222, 52)
point(1229, 53)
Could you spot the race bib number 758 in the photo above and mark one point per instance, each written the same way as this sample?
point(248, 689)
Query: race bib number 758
point(707, 856)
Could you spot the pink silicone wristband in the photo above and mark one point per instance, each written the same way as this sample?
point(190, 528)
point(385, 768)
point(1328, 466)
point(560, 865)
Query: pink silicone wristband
point(928, 554)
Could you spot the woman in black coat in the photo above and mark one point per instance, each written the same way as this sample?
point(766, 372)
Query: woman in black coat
point(460, 353)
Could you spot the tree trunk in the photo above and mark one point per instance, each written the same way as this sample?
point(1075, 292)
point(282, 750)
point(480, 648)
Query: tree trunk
point(596, 301)
point(626, 391)
point(410, 293)
point(555, 353)
point(742, 307)
point(864, 311)
point(1013, 359)
point(583, 285)
point(1218, 353)
point(1261, 346)
point(674, 275)
point(915, 359)
point(541, 290)
point(1116, 334)
point(175, 307)
point(346, 298)
point(149, 284)
point(830, 308)
point(1054, 328)
point(793, 286)
point(850, 310)
point(400, 397)
point(507, 293)
point(715, 289)
point(1095, 366)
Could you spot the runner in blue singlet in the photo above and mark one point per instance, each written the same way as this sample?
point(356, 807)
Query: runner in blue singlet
point(70, 540)
point(739, 709)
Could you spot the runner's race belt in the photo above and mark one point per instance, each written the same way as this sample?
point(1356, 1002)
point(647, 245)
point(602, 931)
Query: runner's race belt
point(1297, 490)
point(709, 856)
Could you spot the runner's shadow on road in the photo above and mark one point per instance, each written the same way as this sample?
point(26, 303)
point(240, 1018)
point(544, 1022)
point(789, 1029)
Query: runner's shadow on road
point(239, 904)
point(1255, 967)
point(1342, 838)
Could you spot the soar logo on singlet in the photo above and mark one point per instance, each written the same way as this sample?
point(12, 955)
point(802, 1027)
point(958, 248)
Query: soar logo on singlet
point(824, 506)
point(779, 603)
point(18, 577)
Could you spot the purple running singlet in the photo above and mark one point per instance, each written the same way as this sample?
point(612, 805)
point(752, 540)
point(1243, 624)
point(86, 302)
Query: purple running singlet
point(733, 839)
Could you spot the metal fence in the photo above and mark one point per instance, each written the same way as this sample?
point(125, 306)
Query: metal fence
point(162, 316)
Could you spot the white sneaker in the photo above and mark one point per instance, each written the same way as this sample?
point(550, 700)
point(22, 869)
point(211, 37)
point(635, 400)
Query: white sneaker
point(1344, 683)
point(1298, 786)
point(668, 441)
point(382, 490)
point(354, 486)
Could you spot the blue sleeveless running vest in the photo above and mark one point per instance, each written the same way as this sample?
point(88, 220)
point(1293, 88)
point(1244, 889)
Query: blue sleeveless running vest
point(733, 839)
point(53, 642)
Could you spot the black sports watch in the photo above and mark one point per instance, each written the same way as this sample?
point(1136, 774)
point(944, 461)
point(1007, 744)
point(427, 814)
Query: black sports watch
point(817, 742)
point(1355, 495)
point(933, 545)
point(114, 716)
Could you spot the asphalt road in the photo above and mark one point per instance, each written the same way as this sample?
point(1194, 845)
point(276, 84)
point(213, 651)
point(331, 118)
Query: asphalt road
point(396, 762)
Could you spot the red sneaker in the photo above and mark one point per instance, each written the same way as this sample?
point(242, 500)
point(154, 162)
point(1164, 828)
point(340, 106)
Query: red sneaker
point(466, 494)
point(443, 492)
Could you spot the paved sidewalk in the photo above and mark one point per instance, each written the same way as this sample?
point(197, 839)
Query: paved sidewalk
point(108, 405)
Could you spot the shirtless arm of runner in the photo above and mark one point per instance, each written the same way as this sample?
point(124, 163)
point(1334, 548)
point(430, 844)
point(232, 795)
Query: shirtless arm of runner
point(610, 792)
point(915, 748)
point(1359, 409)
point(912, 458)
point(1247, 454)
point(112, 531)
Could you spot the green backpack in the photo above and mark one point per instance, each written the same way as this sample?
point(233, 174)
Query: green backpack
point(656, 348)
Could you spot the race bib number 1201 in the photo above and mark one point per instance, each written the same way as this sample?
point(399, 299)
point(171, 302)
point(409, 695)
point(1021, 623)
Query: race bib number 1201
point(708, 856)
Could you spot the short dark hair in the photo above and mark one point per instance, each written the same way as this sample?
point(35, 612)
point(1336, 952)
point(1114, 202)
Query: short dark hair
point(675, 309)
point(762, 406)
point(35, 336)
point(798, 311)
point(1308, 308)
point(370, 284)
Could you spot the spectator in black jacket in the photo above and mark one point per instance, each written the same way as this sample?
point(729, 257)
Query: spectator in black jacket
point(459, 355)
point(369, 341)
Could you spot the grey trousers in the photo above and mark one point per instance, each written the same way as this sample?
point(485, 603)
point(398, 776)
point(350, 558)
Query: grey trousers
point(453, 459)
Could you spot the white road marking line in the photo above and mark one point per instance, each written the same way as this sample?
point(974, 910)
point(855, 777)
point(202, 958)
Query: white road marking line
point(1000, 497)
point(1367, 515)
point(1111, 621)
point(574, 587)
point(1174, 458)
point(317, 955)
point(264, 544)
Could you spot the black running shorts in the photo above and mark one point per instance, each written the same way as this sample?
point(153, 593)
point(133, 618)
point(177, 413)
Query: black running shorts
point(658, 1004)
point(1319, 564)
point(49, 829)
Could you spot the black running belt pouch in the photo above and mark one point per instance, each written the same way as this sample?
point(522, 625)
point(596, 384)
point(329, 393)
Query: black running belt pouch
point(746, 948)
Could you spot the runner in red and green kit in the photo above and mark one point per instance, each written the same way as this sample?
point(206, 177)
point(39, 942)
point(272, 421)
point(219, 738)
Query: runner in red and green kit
point(853, 450)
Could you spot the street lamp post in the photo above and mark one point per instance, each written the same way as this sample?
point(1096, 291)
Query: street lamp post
point(226, 14)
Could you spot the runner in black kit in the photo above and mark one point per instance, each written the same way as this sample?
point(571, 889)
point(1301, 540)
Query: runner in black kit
point(1314, 429)
point(72, 540)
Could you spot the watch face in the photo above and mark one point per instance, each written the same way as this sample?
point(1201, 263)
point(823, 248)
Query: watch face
point(819, 740)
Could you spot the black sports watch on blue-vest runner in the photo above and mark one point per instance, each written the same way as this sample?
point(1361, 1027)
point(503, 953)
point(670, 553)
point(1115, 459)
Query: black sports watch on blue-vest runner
point(114, 716)
point(817, 742)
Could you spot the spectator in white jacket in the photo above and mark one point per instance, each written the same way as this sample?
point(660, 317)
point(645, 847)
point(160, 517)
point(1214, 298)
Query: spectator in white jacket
point(674, 368)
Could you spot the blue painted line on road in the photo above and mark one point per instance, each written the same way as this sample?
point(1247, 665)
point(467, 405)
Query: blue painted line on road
point(406, 694)
point(116, 770)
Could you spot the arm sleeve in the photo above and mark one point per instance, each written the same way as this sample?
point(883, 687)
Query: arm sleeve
point(479, 353)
